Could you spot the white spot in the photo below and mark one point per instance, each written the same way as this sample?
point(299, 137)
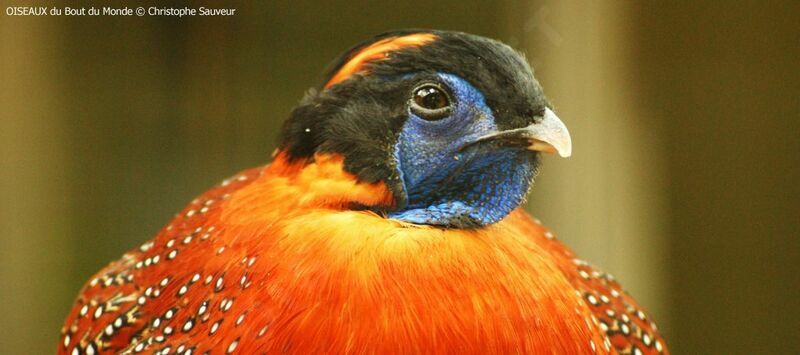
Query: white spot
point(233, 345)
point(84, 310)
point(183, 290)
point(90, 350)
point(146, 246)
point(659, 347)
point(187, 240)
point(240, 319)
point(67, 338)
point(188, 325)
point(170, 243)
point(190, 213)
point(98, 312)
point(172, 254)
point(169, 314)
point(195, 277)
point(548, 235)
point(592, 299)
point(214, 327)
point(624, 328)
point(168, 330)
point(164, 281)
point(218, 286)
point(141, 300)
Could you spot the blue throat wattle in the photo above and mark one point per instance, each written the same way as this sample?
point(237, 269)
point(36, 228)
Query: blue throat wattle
point(450, 186)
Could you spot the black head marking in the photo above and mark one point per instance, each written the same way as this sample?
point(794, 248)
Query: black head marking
point(360, 115)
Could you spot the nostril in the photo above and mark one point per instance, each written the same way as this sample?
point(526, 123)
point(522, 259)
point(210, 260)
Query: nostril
point(535, 115)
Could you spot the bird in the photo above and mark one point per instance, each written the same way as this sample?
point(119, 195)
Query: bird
point(388, 221)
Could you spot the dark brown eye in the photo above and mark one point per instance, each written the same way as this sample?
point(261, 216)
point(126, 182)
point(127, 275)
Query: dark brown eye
point(430, 102)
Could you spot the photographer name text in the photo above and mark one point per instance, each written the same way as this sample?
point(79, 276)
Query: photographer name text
point(118, 11)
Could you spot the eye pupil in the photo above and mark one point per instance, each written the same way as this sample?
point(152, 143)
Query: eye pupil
point(430, 102)
point(431, 98)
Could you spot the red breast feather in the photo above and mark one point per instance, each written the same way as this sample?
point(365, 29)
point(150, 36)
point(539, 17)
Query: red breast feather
point(269, 262)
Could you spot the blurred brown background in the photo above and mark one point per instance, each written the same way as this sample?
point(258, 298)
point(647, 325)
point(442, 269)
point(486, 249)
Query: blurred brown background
point(684, 180)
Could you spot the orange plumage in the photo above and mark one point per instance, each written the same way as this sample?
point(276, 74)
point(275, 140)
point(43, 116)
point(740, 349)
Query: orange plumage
point(309, 277)
point(276, 260)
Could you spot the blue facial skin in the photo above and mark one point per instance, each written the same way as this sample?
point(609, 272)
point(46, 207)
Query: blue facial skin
point(449, 185)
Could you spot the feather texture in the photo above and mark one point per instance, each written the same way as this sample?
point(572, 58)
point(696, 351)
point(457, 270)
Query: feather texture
point(272, 261)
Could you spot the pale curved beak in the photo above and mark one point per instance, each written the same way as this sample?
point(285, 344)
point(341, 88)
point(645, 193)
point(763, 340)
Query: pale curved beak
point(549, 135)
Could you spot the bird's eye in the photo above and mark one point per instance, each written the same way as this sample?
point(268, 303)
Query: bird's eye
point(431, 102)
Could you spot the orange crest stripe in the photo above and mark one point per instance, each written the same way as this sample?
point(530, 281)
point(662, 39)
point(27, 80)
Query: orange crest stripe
point(378, 51)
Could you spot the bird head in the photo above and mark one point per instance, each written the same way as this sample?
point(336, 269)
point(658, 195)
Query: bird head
point(453, 124)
